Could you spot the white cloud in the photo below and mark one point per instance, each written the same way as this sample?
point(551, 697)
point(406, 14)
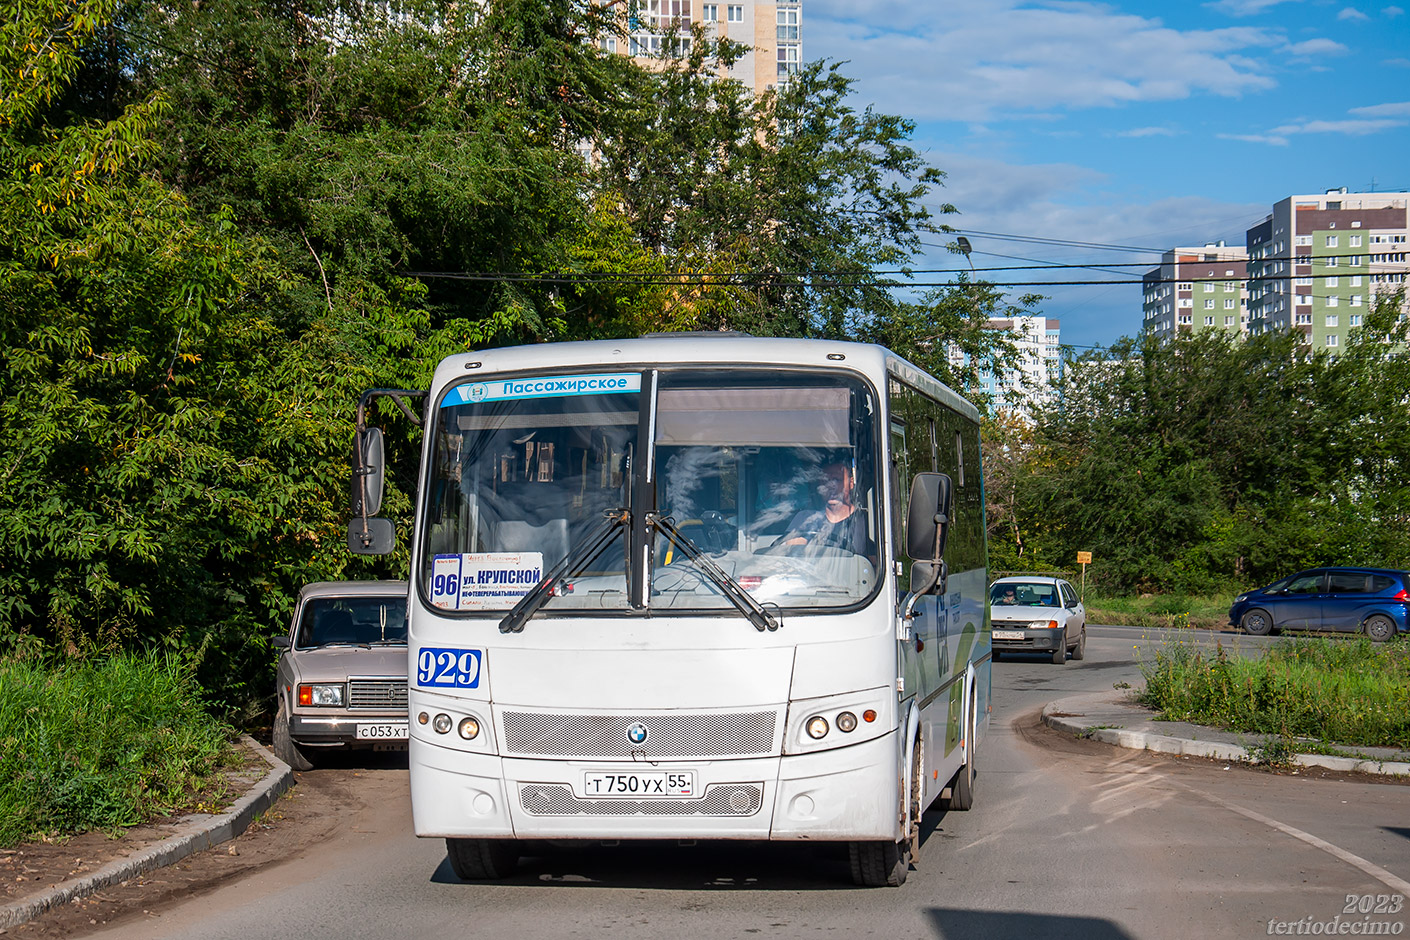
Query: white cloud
point(1399, 63)
point(1351, 128)
point(1351, 13)
point(1392, 12)
point(1272, 139)
point(1242, 7)
point(1391, 109)
point(1003, 57)
point(1317, 47)
point(1149, 132)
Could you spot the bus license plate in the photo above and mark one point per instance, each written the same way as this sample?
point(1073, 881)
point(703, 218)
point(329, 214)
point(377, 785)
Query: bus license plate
point(383, 731)
point(1008, 634)
point(664, 784)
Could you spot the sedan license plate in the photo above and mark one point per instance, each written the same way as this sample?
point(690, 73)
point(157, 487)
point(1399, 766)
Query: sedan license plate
point(382, 731)
point(1008, 634)
point(661, 784)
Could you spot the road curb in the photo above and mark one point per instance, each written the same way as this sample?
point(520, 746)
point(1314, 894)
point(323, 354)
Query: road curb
point(196, 835)
point(1063, 716)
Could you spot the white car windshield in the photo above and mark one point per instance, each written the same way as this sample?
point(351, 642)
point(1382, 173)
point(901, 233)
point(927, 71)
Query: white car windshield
point(1025, 594)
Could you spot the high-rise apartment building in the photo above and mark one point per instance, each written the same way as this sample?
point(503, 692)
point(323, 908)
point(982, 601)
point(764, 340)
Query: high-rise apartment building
point(1197, 289)
point(1317, 262)
point(772, 30)
point(1029, 382)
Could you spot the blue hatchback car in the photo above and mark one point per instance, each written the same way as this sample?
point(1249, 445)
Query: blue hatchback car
point(1369, 600)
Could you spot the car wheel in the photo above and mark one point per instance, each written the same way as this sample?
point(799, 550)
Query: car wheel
point(1060, 654)
point(284, 747)
point(1079, 652)
point(1257, 623)
point(1379, 628)
point(482, 859)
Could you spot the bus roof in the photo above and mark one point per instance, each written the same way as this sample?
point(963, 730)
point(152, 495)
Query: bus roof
point(700, 349)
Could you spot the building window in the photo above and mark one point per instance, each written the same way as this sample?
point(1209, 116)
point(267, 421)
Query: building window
point(1302, 319)
point(1303, 240)
point(1354, 261)
point(1355, 300)
point(736, 13)
point(1228, 303)
point(1354, 241)
point(1208, 321)
point(609, 44)
point(1185, 285)
point(1331, 241)
point(1208, 288)
point(1332, 261)
point(1332, 300)
point(1331, 319)
point(787, 59)
point(787, 25)
point(1209, 305)
point(1331, 282)
point(1355, 280)
point(1354, 319)
point(1331, 339)
point(710, 12)
point(1228, 321)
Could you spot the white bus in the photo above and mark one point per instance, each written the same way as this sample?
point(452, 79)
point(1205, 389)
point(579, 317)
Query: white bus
point(702, 586)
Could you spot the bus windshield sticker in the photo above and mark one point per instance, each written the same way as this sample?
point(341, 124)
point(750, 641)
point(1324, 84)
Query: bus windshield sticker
point(484, 580)
point(551, 386)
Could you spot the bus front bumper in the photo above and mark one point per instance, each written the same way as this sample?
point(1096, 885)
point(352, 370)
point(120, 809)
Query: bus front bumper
point(844, 794)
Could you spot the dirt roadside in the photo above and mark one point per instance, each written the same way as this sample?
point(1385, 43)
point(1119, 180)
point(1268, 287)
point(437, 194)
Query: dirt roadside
point(313, 810)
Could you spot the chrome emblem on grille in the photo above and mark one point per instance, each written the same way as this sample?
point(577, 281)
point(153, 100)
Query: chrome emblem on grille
point(637, 733)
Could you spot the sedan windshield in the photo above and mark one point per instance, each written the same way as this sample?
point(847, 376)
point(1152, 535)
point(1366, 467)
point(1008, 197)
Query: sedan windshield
point(1024, 594)
point(333, 621)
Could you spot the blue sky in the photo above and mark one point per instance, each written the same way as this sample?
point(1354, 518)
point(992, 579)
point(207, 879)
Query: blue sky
point(1136, 124)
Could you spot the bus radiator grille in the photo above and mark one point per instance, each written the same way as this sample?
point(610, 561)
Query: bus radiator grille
point(673, 736)
point(551, 799)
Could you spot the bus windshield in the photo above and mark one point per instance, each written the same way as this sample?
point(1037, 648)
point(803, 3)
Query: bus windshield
point(770, 474)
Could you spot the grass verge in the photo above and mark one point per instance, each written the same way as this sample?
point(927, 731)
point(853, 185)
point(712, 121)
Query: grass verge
point(1160, 610)
point(1347, 692)
point(102, 744)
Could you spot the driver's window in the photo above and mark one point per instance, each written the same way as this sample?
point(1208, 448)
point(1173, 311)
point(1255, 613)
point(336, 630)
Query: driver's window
point(1306, 584)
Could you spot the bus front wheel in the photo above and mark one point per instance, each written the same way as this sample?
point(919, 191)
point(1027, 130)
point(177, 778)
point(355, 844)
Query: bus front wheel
point(482, 859)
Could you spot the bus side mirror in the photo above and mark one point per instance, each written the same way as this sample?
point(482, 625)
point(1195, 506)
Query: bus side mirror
point(368, 471)
point(371, 536)
point(928, 516)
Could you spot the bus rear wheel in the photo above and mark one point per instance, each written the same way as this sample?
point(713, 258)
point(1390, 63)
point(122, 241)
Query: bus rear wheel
point(482, 859)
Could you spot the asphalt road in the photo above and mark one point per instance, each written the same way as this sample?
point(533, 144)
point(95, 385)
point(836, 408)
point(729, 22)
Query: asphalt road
point(1068, 838)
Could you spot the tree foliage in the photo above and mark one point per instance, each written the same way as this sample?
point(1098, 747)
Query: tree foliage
point(1203, 462)
point(224, 220)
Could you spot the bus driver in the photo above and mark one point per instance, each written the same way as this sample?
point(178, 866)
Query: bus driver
point(839, 524)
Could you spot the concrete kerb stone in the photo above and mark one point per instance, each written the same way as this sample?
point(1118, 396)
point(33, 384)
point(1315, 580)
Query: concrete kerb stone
point(1092, 717)
point(196, 835)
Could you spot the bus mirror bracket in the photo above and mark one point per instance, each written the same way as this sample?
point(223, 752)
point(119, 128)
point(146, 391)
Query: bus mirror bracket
point(368, 535)
point(928, 518)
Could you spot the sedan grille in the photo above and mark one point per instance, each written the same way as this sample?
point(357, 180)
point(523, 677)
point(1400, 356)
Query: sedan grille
point(385, 694)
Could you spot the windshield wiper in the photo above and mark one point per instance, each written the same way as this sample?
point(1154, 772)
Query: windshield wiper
point(733, 591)
point(579, 556)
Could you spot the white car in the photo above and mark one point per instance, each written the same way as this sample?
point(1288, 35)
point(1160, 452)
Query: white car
point(342, 671)
point(1033, 613)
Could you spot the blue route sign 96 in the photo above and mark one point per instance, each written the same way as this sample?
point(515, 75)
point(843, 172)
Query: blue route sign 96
point(439, 667)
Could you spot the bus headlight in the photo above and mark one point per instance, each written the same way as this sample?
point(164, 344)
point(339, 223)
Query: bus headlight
point(469, 728)
point(846, 722)
point(441, 723)
point(817, 727)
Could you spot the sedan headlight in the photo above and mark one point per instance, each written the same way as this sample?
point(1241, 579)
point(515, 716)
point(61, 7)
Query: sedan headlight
point(1044, 625)
point(1241, 598)
point(321, 693)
